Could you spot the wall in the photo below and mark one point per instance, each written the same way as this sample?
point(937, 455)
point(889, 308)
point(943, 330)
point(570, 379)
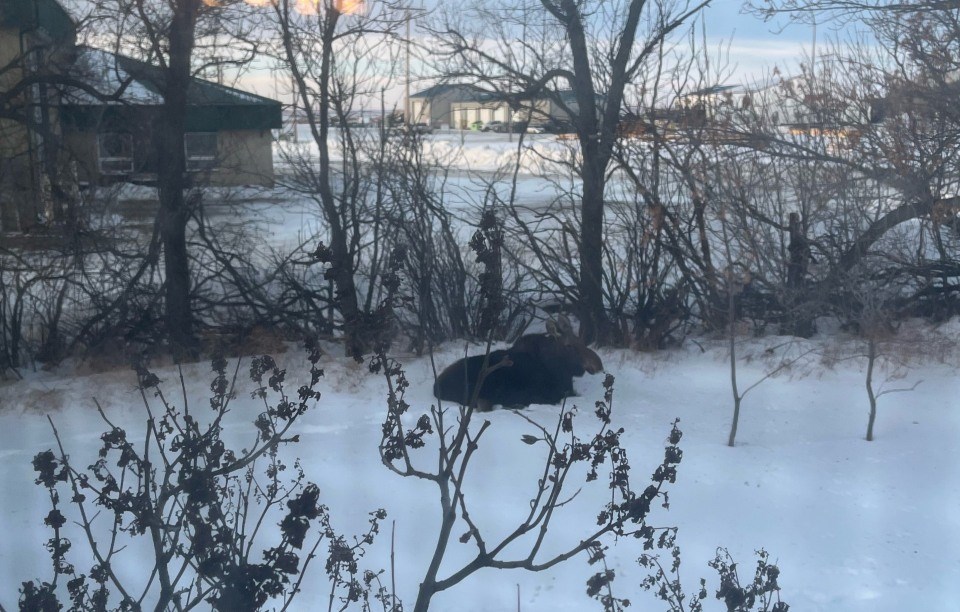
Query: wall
point(17, 206)
point(13, 135)
point(465, 113)
point(246, 158)
point(420, 111)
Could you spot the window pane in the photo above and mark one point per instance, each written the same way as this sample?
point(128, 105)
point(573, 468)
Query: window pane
point(115, 153)
point(116, 145)
point(201, 150)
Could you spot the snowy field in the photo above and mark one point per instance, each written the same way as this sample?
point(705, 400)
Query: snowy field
point(467, 151)
point(854, 526)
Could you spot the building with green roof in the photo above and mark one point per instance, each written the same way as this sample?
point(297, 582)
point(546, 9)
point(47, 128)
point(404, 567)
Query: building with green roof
point(52, 132)
point(229, 131)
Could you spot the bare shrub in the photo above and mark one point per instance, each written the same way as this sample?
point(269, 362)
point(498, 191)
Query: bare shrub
point(200, 507)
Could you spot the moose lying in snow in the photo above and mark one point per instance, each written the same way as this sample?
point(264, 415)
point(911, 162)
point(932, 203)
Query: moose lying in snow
point(537, 369)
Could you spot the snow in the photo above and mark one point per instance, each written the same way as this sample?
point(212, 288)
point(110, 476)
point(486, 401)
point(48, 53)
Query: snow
point(485, 152)
point(101, 70)
point(854, 526)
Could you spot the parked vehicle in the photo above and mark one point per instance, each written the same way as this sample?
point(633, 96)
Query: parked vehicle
point(551, 126)
point(421, 128)
point(494, 126)
point(476, 126)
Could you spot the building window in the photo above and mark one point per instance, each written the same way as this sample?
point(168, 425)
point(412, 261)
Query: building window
point(201, 150)
point(115, 153)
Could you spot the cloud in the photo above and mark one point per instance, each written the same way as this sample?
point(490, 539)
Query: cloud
point(755, 58)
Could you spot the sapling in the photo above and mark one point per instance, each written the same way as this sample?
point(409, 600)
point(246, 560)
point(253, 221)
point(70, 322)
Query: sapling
point(881, 350)
point(457, 437)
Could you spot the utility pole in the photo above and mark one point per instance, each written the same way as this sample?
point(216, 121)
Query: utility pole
point(818, 114)
point(406, 96)
point(293, 89)
point(813, 53)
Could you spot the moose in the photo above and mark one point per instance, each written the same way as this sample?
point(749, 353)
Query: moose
point(537, 369)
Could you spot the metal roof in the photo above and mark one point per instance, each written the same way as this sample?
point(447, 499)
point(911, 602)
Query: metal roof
point(444, 88)
point(465, 92)
point(714, 89)
point(199, 93)
point(211, 106)
point(44, 15)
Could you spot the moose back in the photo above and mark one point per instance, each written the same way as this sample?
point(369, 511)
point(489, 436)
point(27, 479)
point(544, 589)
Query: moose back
point(537, 369)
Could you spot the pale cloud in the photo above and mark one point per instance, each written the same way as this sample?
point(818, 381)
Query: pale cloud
point(755, 59)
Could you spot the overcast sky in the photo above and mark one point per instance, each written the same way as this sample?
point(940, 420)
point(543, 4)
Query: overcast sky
point(752, 48)
point(755, 46)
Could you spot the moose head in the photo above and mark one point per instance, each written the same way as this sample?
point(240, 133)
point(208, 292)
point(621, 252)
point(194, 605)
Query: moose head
point(537, 369)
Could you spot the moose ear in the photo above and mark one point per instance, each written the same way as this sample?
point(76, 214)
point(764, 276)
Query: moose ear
point(552, 328)
point(563, 326)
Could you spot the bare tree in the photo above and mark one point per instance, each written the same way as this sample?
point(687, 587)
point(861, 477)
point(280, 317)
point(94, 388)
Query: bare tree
point(337, 57)
point(869, 307)
point(457, 438)
point(810, 10)
point(180, 37)
point(891, 107)
point(592, 50)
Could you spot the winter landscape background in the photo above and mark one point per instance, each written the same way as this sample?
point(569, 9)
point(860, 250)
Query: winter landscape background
point(759, 236)
point(853, 526)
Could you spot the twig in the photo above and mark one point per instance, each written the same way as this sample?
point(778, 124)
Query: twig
point(86, 524)
point(303, 573)
point(393, 571)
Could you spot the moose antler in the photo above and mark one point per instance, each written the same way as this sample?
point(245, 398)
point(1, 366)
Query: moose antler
point(561, 329)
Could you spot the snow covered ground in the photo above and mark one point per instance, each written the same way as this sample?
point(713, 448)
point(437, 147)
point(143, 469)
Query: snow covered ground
point(854, 526)
point(465, 150)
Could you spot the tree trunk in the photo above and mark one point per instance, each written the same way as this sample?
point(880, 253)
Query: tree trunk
point(173, 223)
point(341, 272)
point(428, 588)
point(341, 258)
point(871, 362)
point(10, 193)
point(799, 318)
point(596, 131)
point(737, 398)
point(172, 180)
point(715, 313)
point(594, 326)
